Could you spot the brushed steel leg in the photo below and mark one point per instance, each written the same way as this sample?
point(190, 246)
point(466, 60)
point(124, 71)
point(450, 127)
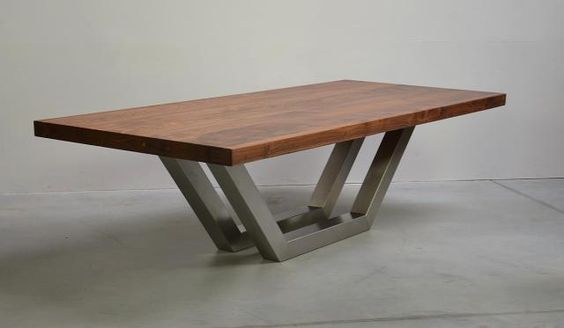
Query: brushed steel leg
point(334, 175)
point(251, 209)
point(380, 173)
point(206, 203)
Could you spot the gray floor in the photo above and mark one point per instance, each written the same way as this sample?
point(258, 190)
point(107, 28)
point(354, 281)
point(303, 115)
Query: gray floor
point(441, 254)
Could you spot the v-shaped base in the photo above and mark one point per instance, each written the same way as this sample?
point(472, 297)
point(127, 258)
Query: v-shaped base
point(282, 237)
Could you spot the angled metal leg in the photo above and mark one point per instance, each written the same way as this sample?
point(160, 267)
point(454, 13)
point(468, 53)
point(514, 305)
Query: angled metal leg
point(206, 203)
point(334, 175)
point(247, 202)
point(380, 173)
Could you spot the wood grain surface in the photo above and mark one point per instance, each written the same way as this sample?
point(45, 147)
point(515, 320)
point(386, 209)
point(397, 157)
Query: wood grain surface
point(242, 128)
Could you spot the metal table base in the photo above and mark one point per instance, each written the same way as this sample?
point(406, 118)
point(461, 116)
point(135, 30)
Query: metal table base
point(281, 237)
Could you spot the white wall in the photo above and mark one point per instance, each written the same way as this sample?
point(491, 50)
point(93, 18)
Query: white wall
point(68, 57)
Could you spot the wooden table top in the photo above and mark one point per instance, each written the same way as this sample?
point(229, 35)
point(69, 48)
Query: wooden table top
point(242, 128)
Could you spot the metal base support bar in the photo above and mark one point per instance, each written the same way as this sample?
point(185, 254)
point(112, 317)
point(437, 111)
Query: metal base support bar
point(298, 232)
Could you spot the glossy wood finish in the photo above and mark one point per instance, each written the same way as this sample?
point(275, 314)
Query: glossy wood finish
point(242, 128)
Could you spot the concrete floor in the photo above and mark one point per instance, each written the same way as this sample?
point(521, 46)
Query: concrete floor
point(441, 254)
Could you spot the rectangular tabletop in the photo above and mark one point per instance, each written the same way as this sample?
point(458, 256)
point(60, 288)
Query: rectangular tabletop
point(242, 128)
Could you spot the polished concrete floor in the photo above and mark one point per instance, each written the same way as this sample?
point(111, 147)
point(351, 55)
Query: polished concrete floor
point(441, 254)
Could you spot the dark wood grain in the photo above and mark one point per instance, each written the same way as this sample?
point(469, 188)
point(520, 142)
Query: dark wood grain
point(242, 128)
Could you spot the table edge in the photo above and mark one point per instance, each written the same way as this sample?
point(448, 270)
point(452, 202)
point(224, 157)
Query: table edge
point(135, 143)
point(246, 153)
point(272, 148)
